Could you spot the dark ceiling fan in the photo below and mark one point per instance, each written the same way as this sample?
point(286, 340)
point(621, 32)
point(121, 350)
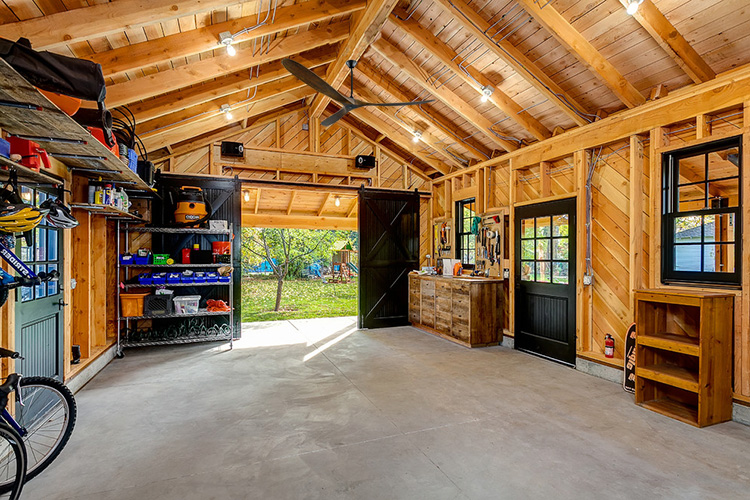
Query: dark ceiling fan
point(347, 103)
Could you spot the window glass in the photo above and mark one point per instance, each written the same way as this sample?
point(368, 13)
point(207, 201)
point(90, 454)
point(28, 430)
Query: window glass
point(527, 249)
point(40, 240)
point(527, 228)
point(560, 225)
point(527, 271)
point(561, 248)
point(52, 244)
point(465, 240)
point(560, 273)
point(542, 227)
point(52, 287)
point(687, 258)
point(543, 272)
point(41, 289)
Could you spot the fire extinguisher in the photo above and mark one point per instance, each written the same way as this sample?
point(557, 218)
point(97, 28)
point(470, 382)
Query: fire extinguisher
point(609, 346)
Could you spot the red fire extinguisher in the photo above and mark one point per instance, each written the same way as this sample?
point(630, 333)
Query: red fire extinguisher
point(609, 346)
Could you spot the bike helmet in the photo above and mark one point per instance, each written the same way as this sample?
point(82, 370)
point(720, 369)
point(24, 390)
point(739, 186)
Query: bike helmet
point(59, 215)
point(19, 217)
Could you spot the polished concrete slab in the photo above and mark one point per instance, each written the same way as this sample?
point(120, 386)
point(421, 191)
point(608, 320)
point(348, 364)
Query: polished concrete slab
point(315, 409)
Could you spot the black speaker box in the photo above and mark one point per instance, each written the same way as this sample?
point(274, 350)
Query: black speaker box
point(235, 149)
point(365, 161)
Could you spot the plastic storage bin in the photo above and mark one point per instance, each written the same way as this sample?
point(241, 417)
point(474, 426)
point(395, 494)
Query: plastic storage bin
point(160, 259)
point(126, 259)
point(140, 260)
point(212, 277)
point(159, 278)
point(131, 304)
point(173, 278)
point(225, 279)
point(199, 277)
point(186, 278)
point(158, 305)
point(145, 279)
point(187, 304)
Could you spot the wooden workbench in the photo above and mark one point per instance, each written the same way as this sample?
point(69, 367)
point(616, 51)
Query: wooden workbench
point(462, 309)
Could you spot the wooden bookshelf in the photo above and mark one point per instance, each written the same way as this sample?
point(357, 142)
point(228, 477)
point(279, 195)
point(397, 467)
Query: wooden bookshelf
point(684, 354)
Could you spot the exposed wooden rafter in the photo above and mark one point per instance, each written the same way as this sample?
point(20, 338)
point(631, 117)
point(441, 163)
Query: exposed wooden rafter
point(190, 42)
point(367, 25)
point(445, 95)
point(208, 69)
point(102, 19)
point(475, 24)
point(566, 34)
point(448, 57)
point(673, 43)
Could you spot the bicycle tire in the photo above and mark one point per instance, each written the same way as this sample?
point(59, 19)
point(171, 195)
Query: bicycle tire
point(13, 487)
point(39, 459)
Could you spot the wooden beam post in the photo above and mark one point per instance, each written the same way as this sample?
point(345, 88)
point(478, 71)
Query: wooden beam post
point(742, 342)
point(636, 219)
point(583, 293)
point(544, 179)
point(657, 139)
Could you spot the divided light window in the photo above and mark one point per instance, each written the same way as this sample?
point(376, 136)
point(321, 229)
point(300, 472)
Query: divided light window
point(701, 217)
point(465, 241)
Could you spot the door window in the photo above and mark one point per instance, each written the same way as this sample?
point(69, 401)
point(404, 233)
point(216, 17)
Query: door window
point(544, 249)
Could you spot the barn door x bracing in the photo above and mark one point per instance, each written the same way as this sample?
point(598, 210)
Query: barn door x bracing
point(389, 250)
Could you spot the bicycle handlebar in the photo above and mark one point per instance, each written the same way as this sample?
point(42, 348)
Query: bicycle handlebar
point(20, 281)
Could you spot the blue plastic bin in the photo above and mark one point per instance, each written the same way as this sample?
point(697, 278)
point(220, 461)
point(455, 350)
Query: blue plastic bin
point(173, 278)
point(142, 261)
point(126, 259)
point(145, 279)
point(159, 278)
point(225, 279)
point(212, 277)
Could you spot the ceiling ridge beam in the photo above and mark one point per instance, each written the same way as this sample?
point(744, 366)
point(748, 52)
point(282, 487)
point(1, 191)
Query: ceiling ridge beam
point(191, 42)
point(223, 86)
point(571, 38)
point(98, 20)
point(673, 43)
point(366, 28)
point(391, 88)
point(396, 56)
point(208, 69)
point(475, 24)
point(472, 77)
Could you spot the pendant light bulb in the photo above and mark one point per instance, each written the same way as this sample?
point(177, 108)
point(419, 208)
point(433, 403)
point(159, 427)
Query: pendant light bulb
point(247, 196)
point(487, 93)
point(632, 7)
point(226, 39)
point(227, 110)
point(337, 201)
point(417, 136)
point(231, 50)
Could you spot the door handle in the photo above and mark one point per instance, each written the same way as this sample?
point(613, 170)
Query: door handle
point(61, 304)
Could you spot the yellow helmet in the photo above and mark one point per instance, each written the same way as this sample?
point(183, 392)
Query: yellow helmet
point(19, 217)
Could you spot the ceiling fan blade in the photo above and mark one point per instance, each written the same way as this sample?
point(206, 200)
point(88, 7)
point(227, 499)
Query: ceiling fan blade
point(412, 103)
point(338, 115)
point(314, 81)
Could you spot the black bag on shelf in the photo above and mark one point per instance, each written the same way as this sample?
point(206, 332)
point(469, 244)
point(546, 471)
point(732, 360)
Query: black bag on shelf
point(55, 73)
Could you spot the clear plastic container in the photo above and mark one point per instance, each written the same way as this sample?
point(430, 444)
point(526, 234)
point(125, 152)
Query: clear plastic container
point(186, 304)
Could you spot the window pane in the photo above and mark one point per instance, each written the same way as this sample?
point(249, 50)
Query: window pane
point(27, 194)
point(687, 229)
point(687, 258)
point(27, 252)
point(41, 244)
point(560, 225)
point(527, 271)
point(27, 294)
point(692, 197)
point(560, 273)
point(719, 227)
point(724, 163)
point(52, 285)
point(41, 289)
point(40, 197)
point(52, 248)
point(542, 227)
point(560, 249)
point(527, 249)
point(542, 249)
point(543, 272)
point(718, 258)
point(692, 169)
point(527, 228)
point(724, 193)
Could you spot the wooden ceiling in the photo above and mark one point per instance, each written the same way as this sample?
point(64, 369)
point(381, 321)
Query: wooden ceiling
point(551, 64)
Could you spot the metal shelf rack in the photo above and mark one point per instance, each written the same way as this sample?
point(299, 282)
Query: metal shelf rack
point(124, 228)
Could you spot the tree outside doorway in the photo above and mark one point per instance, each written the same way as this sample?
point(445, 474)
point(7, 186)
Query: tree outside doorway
point(297, 273)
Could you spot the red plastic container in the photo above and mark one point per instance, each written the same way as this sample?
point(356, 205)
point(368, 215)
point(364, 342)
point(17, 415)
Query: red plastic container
point(32, 154)
point(186, 256)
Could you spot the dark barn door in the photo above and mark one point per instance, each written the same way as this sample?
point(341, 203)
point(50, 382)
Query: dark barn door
point(389, 250)
point(546, 280)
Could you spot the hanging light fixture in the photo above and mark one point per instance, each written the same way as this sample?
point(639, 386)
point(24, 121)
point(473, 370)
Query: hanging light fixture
point(633, 5)
point(417, 136)
point(226, 39)
point(337, 201)
point(487, 93)
point(227, 110)
point(247, 196)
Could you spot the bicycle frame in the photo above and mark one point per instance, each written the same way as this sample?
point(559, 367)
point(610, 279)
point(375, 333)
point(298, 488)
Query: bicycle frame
point(5, 415)
point(16, 263)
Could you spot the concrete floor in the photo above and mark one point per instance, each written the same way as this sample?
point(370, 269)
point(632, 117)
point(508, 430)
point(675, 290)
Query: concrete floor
point(317, 410)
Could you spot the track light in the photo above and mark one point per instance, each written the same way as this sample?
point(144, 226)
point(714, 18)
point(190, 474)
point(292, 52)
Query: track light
point(633, 5)
point(487, 93)
point(227, 110)
point(337, 201)
point(247, 196)
point(417, 136)
point(226, 39)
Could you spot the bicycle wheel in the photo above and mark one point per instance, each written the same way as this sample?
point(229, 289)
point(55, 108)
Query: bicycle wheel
point(12, 463)
point(48, 414)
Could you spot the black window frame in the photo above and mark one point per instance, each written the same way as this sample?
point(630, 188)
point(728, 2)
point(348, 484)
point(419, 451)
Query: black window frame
point(462, 232)
point(670, 211)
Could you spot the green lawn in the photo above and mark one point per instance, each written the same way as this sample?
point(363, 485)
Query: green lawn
point(301, 299)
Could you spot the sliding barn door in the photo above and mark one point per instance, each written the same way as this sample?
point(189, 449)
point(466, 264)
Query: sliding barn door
point(388, 250)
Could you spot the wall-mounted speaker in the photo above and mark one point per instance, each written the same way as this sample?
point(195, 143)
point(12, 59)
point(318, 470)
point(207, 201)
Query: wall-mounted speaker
point(235, 149)
point(365, 161)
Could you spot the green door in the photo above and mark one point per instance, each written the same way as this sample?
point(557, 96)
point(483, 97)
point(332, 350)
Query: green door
point(39, 309)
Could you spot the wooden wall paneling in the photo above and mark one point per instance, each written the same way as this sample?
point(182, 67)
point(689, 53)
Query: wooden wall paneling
point(80, 305)
point(98, 298)
point(425, 231)
point(742, 341)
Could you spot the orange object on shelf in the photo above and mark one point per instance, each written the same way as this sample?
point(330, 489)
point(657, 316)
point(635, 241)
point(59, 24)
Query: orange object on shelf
point(131, 304)
point(216, 306)
point(457, 269)
point(68, 105)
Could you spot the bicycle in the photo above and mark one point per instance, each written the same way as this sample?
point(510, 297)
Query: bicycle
point(13, 461)
point(45, 415)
